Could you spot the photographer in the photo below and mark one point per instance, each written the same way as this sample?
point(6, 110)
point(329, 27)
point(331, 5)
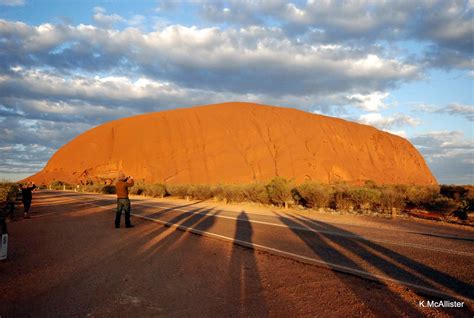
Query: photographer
point(27, 196)
point(123, 202)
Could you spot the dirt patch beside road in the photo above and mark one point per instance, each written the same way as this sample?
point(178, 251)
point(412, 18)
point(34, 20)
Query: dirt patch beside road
point(69, 260)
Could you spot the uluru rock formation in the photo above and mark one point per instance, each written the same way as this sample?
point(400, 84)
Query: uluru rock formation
point(237, 143)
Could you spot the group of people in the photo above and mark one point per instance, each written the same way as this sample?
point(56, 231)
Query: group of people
point(26, 193)
point(123, 201)
point(26, 198)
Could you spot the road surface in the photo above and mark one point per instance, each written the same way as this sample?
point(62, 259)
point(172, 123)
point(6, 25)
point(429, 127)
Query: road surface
point(413, 261)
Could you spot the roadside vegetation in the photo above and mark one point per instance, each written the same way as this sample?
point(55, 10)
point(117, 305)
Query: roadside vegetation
point(370, 198)
point(7, 190)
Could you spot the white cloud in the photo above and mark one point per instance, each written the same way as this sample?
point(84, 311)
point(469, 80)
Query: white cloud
point(387, 123)
point(456, 109)
point(400, 133)
point(445, 142)
point(371, 102)
point(445, 27)
point(248, 60)
point(104, 20)
point(449, 154)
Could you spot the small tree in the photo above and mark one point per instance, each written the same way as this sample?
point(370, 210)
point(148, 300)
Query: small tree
point(155, 190)
point(279, 191)
point(200, 191)
point(421, 196)
point(314, 195)
point(364, 198)
point(444, 205)
point(255, 192)
point(108, 189)
point(341, 199)
point(392, 199)
point(177, 190)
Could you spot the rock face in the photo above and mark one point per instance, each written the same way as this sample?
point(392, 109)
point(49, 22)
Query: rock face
point(236, 143)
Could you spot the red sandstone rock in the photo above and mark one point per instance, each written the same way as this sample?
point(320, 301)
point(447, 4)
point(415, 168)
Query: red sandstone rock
point(237, 143)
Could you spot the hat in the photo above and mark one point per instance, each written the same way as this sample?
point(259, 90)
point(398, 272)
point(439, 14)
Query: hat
point(121, 175)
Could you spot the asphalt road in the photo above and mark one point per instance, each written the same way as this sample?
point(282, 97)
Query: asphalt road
point(431, 258)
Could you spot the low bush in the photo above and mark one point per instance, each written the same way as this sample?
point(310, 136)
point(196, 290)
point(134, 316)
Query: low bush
point(420, 197)
point(313, 195)
point(364, 199)
point(61, 185)
point(137, 189)
point(229, 193)
point(454, 192)
point(108, 189)
point(200, 191)
point(255, 192)
point(341, 199)
point(97, 188)
point(279, 191)
point(177, 190)
point(155, 190)
point(392, 199)
point(443, 205)
point(8, 191)
point(446, 199)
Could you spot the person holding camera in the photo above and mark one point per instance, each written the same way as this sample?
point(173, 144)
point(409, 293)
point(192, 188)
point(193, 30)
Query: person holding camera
point(123, 202)
point(27, 196)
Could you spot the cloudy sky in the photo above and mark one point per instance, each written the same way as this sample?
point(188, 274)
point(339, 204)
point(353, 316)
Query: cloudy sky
point(403, 66)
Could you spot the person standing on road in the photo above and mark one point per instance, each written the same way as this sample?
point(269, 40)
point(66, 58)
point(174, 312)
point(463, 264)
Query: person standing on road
point(11, 200)
point(27, 197)
point(123, 202)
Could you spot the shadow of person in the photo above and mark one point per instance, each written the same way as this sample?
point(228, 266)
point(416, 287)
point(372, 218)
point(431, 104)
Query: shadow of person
point(200, 219)
point(393, 264)
point(245, 294)
point(321, 245)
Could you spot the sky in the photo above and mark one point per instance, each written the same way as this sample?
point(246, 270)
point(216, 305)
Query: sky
point(405, 67)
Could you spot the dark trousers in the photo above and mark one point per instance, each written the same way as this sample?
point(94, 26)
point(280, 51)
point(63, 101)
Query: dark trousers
point(11, 209)
point(26, 205)
point(3, 225)
point(123, 205)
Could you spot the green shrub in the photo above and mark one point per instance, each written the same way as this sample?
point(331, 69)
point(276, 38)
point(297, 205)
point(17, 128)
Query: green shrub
point(8, 191)
point(138, 188)
point(96, 188)
point(314, 195)
point(229, 192)
point(364, 198)
point(443, 205)
point(255, 192)
point(392, 198)
point(108, 189)
point(200, 192)
point(463, 211)
point(341, 199)
point(279, 191)
point(177, 190)
point(421, 196)
point(454, 192)
point(155, 190)
point(61, 185)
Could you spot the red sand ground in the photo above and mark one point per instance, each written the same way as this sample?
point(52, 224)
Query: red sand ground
point(237, 143)
point(69, 261)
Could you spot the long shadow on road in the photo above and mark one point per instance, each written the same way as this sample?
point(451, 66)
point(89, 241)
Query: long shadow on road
point(392, 262)
point(245, 284)
point(191, 220)
point(320, 244)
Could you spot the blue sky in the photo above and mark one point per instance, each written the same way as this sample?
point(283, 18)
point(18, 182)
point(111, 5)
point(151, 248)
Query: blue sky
point(405, 67)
